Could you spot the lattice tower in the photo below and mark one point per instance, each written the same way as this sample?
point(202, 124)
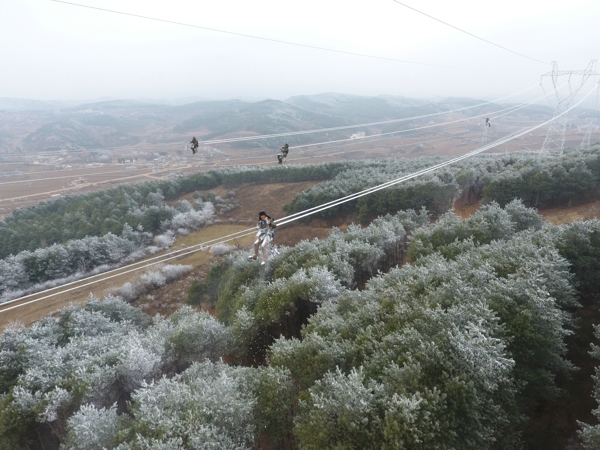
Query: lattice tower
point(555, 137)
point(587, 137)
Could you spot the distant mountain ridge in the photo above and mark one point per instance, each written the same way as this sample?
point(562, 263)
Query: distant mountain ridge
point(112, 123)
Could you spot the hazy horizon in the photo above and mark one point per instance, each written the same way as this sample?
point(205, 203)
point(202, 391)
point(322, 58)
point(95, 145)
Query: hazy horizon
point(58, 51)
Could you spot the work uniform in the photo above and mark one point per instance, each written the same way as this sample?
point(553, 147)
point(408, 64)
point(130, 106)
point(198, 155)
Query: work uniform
point(284, 152)
point(264, 236)
point(194, 143)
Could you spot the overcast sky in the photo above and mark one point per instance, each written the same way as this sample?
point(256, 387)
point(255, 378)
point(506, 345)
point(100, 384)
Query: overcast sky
point(51, 50)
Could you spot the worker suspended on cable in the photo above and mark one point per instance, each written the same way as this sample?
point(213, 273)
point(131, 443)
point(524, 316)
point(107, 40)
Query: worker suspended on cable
point(264, 236)
point(194, 143)
point(283, 154)
point(487, 122)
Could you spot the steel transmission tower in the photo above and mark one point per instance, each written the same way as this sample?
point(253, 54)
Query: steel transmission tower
point(588, 135)
point(555, 137)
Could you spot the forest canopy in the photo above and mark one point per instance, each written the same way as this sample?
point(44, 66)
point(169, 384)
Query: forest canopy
point(334, 345)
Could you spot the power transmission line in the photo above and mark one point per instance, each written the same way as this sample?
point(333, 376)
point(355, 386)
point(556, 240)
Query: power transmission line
point(470, 34)
point(367, 139)
point(279, 41)
point(345, 127)
point(298, 215)
point(291, 133)
point(509, 109)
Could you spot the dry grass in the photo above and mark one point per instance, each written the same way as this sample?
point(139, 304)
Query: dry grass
point(558, 216)
point(252, 198)
point(31, 312)
point(168, 299)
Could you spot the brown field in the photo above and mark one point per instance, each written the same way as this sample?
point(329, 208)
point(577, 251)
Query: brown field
point(37, 182)
point(29, 179)
point(252, 198)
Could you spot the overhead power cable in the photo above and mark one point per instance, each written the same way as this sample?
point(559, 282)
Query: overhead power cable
point(262, 38)
point(496, 143)
point(509, 109)
point(368, 124)
point(125, 269)
point(470, 34)
point(369, 138)
point(296, 133)
point(296, 216)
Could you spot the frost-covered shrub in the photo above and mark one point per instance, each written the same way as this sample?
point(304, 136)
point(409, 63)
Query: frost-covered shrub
point(150, 280)
point(271, 301)
point(210, 406)
point(221, 249)
point(193, 219)
point(153, 279)
point(524, 218)
point(91, 428)
point(128, 291)
point(183, 206)
point(590, 434)
point(174, 271)
point(225, 205)
point(341, 413)
point(490, 222)
point(164, 240)
point(579, 243)
point(192, 336)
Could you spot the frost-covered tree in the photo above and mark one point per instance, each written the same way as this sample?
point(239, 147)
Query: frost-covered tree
point(91, 428)
point(455, 348)
point(98, 355)
point(590, 434)
point(209, 406)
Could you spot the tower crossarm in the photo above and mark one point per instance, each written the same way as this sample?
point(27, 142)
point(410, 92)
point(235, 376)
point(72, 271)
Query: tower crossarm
point(555, 137)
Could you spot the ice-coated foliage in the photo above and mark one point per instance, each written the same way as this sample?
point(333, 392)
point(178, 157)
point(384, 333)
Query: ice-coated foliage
point(450, 349)
point(191, 336)
point(62, 260)
point(579, 243)
point(164, 240)
point(341, 413)
point(150, 280)
point(270, 300)
point(192, 219)
point(209, 406)
point(221, 249)
point(490, 222)
point(97, 354)
point(91, 428)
